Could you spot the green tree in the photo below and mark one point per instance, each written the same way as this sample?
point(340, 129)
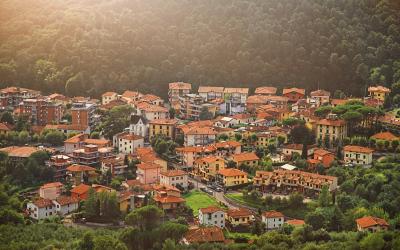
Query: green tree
point(145, 218)
point(324, 198)
point(205, 114)
point(7, 117)
point(372, 242)
point(92, 208)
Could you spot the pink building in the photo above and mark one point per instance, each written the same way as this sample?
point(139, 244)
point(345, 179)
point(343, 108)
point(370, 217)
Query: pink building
point(51, 190)
point(148, 173)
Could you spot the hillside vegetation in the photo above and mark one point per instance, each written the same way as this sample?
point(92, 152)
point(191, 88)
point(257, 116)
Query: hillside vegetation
point(89, 46)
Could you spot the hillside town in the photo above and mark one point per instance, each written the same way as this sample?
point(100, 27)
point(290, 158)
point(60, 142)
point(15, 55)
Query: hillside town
point(229, 162)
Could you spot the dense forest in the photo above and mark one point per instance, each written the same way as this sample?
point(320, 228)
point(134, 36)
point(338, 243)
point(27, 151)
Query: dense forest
point(97, 45)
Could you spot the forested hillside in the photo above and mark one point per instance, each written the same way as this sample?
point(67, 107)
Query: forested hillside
point(89, 46)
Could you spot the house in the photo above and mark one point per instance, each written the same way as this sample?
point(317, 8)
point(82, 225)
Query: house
point(4, 128)
point(371, 224)
point(81, 174)
point(385, 136)
point(295, 222)
point(294, 94)
point(91, 155)
point(59, 164)
point(319, 97)
point(176, 178)
point(230, 177)
point(204, 235)
point(244, 118)
point(18, 154)
point(235, 100)
point(147, 155)
point(265, 91)
point(164, 127)
point(272, 219)
point(255, 101)
point(80, 192)
point(150, 111)
point(176, 90)
point(108, 97)
point(65, 205)
point(322, 156)
point(208, 167)
point(209, 93)
point(378, 92)
point(127, 143)
point(41, 209)
point(138, 126)
point(131, 96)
point(116, 166)
point(148, 173)
point(168, 198)
point(225, 122)
point(75, 142)
point(293, 181)
point(331, 129)
point(289, 149)
point(239, 217)
point(357, 155)
point(280, 102)
point(212, 216)
point(152, 99)
point(249, 159)
point(199, 136)
point(51, 190)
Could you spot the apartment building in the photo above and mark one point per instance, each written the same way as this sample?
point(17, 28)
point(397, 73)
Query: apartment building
point(235, 100)
point(91, 155)
point(41, 111)
point(207, 167)
point(212, 216)
point(210, 93)
point(332, 128)
point(319, 97)
point(83, 114)
point(230, 177)
point(127, 143)
point(191, 106)
point(59, 164)
point(176, 90)
point(164, 127)
point(148, 173)
point(108, 97)
point(11, 97)
point(199, 136)
point(150, 111)
point(357, 155)
point(116, 166)
point(176, 178)
point(294, 94)
point(249, 159)
point(265, 91)
point(378, 92)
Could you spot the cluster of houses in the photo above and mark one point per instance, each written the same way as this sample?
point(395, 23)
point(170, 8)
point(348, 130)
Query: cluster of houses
point(212, 151)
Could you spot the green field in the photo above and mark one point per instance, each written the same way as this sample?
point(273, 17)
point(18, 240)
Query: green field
point(197, 199)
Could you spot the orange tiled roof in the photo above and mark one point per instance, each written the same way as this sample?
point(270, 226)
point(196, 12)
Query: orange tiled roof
point(265, 90)
point(387, 136)
point(203, 89)
point(322, 152)
point(240, 212)
point(109, 93)
point(80, 189)
point(358, 149)
point(370, 221)
point(205, 234)
point(65, 200)
point(4, 127)
point(180, 85)
point(168, 199)
point(295, 222)
point(257, 99)
point(164, 121)
point(272, 214)
point(148, 165)
point(21, 152)
point(52, 184)
point(172, 173)
point(230, 172)
point(209, 159)
point(133, 182)
point(75, 139)
point(130, 94)
point(149, 98)
point(43, 203)
point(378, 89)
point(150, 107)
point(130, 137)
point(79, 168)
point(320, 92)
point(297, 90)
point(165, 187)
point(236, 90)
point(245, 157)
point(201, 131)
point(210, 210)
point(338, 101)
point(329, 122)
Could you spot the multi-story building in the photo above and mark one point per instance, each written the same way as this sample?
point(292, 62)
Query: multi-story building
point(212, 216)
point(131, 96)
point(378, 92)
point(79, 174)
point(322, 156)
point(357, 155)
point(176, 178)
point(11, 97)
point(235, 100)
point(190, 106)
point(176, 90)
point(41, 111)
point(332, 128)
point(168, 198)
point(272, 219)
point(265, 91)
point(199, 136)
point(239, 217)
point(127, 143)
point(164, 127)
point(210, 93)
point(116, 166)
point(59, 164)
point(230, 177)
point(108, 97)
point(148, 173)
point(152, 99)
point(83, 114)
point(150, 111)
point(80, 140)
point(255, 101)
point(47, 208)
point(249, 159)
point(289, 150)
point(91, 155)
point(293, 181)
point(319, 97)
point(294, 94)
point(208, 167)
point(51, 190)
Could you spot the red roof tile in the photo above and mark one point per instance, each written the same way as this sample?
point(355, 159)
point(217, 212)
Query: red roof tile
point(369, 221)
point(80, 189)
point(210, 210)
point(230, 172)
point(272, 214)
point(79, 168)
point(205, 234)
point(358, 149)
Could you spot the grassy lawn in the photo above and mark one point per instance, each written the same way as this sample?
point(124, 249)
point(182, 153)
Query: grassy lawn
point(238, 197)
point(198, 199)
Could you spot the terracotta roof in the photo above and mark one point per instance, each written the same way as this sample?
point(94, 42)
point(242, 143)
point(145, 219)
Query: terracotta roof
point(203, 89)
point(209, 159)
point(272, 214)
point(172, 173)
point(79, 168)
point(242, 116)
point(329, 122)
point(80, 189)
point(257, 99)
point(165, 187)
point(168, 199)
point(109, 93)
point(150, 98)
point(210, 210)
point(148, 165)
point(245, 157)
point(387, 136)
point(370, 221)
point(230, 172)
point(180, 85)
point(358, 149)
point(164, 121)
point(295, 222)
point(240, 212)
point(205, 234)
point(16, 90)
point(378, 89)
point(130, 94)
point(236, 90)
point(133, 183)
point(4, 127)
point(52, 184)
point(336, 102)
point(65, 200)
point(321, 152)
point(129, 136)
point(265, 90)
point(201, 131)
point(277, 98)
point(98, 142)
point(75, 139)
point(297, 90)
point(150, 107)
point(21, 152)
point(320, 92)
point(43, 203)
point(227, 144)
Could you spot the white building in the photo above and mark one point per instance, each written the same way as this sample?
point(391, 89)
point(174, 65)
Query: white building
point(357, 155)
point(226, 122)
point(138, 126)
point(174, 178)
point(108, 97)
point(199, 136)
point(127, 143)
point(272, 219)
point(41, 209)
point(212, 216)
point(65, 205)
point(150, 111)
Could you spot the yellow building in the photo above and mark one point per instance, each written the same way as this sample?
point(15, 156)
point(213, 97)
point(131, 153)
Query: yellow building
point(264, 139)
point(249, 159)
point(334, 129)
point(239, 217)
point(378, 92)
point(162, 127)
point(232, 177)
point(208, 167)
